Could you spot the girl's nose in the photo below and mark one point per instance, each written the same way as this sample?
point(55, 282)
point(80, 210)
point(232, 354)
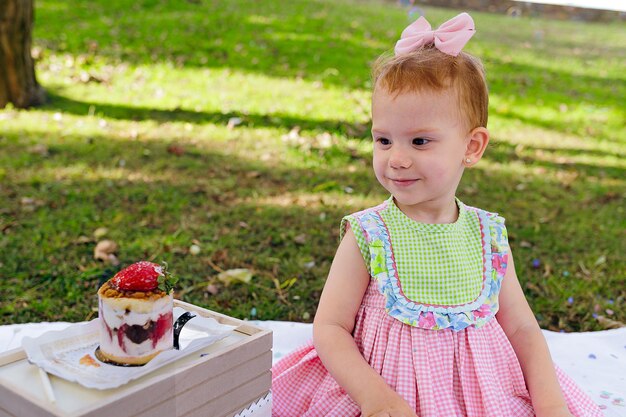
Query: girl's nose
point(399, 159)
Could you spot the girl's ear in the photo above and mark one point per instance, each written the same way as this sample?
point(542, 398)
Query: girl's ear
point(476, 145)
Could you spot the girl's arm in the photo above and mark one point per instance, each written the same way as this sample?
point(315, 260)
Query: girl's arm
point(339, 304)
point(522, 329)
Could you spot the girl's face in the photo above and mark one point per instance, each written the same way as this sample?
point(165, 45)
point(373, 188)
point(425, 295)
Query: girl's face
point(419, 147)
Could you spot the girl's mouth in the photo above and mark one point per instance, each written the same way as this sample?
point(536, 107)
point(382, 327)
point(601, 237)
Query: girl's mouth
point(404, 182)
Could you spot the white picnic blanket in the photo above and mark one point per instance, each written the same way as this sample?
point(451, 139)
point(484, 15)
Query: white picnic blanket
point(595, 360)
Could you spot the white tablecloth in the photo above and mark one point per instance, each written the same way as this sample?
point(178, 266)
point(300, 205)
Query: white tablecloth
point(595, 360)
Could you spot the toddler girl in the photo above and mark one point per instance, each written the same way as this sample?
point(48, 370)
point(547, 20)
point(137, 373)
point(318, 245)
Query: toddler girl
point(422, 313)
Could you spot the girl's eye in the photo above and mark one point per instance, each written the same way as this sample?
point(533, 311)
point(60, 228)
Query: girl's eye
point(383, 141)
point(420, 141)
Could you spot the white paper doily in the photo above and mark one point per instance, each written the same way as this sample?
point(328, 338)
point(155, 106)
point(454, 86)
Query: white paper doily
point(60, 352)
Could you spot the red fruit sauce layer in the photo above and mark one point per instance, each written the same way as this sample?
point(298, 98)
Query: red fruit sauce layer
point(138, 334)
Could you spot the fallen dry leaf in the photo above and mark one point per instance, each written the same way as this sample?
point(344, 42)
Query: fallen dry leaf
point(235, 275)
point(609, 324)
point(105, 251)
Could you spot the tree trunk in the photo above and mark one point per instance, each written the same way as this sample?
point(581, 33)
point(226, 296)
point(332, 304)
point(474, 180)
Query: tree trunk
point(18, 84)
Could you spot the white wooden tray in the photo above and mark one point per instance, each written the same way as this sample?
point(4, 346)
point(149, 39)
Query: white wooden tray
point(219, 380)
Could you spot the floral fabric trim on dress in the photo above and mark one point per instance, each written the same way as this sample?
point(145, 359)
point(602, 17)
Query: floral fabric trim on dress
point(456, 317)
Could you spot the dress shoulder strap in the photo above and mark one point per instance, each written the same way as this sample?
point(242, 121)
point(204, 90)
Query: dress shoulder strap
point(495, 223)
point(359, 228)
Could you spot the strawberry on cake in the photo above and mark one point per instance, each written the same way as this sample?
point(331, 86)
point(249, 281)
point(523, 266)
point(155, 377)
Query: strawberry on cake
point(135, 309)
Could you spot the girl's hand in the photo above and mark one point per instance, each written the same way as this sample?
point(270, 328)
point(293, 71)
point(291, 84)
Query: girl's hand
point(390, 405)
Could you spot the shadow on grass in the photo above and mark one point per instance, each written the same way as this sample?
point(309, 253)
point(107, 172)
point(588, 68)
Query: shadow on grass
point(502, 151)
point(559, 86)
point(64, 104)
point(525, 86)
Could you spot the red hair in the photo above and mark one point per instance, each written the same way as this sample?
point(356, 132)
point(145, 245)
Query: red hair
point(428, 69)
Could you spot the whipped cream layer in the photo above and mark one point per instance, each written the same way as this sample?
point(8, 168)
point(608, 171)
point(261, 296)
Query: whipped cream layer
point(135, 328)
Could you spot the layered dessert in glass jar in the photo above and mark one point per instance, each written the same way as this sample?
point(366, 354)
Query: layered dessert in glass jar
point(136, 315)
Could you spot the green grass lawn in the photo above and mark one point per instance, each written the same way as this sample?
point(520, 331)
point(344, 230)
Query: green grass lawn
point(241, 127)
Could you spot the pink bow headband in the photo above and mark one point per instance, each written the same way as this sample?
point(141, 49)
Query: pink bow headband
point(450, 38)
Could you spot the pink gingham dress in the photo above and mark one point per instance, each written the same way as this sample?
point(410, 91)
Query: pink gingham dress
point(444, 359)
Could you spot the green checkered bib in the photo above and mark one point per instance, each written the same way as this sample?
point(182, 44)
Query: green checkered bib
point(434, 276)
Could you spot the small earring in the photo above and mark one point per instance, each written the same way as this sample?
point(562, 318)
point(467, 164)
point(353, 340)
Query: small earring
point(467, 160)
